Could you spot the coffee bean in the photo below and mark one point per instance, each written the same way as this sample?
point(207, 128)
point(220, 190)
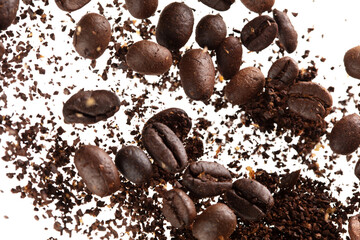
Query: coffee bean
point(245, 86)
point(283, 73)
point(71, 5)
point(165, 147)
point(210, 31)
point(357, 169)
point(178, 208)
point(249, 199)
point(289, 180)
point(133, 163)
point(149, 58)
point(229, 57)
point(197, 73)
point(258, 6)
point(220, 5)
point(207, 179)
point(88, 107)
point(217, 222)
point(175, 26)
point(352, 62)
point(92, 35)
point(354, 227)
point(141, 8)
point(287, 34)
point(176, 119)
point(2, 50)
point(345, 136)
point(8, 10)
point(259, 33)
point(97, 170)
point(309, 100)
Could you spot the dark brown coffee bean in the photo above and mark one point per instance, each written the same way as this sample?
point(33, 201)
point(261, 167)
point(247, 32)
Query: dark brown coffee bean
point(220, 5)
point(357, 169)
point(97, 170)
point(289, 180)
point(141, 8)
point(165, 147)
point(287, 34)
point(149, 58)
point(178, 208)
point(217, 222)
point(345, 136)
point(229, 57)
point(354, 227)
point(258, 6)
point(210, 31)
point(2, 50)
point(176, 119)
point(283, 73)
point(71, 5)
point(8, 10)
point(207, 179)
point(245, 86)
point(175, 26)
point(133, 163)
point(309, 100)
point(249, 199)
point(259, 33)
point(352, 62)
point(197, 73)
point(92, 35)
point(88, 107)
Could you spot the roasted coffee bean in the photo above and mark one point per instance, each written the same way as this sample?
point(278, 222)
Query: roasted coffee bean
point(165, 147)
point(289, 180)
point(354, 227)
point(217, 222)
point(133, 163)
point(220, 5)
point(149, 58)
point(258, 6)
point(287, 34)
point(176, 119)
point(197, 73)
point(245, 86)
point(309, 100)
point(345, 136)
point(352, 62)
point(210, 31)
point(175, 26)
point(141, 8)
point(207, 179)
point(357, 169)
point(8, 10)
point(283, 73)
point(97, 170)
point(2, 50)
point(71, 5)
point(249, 199)
point(259, 33)
point(178, 208)
point(229, 57)
point(92, 35)
point(90, 106)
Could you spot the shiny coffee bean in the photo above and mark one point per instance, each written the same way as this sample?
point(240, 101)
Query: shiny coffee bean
point(345, 136)
point(217, 222)
point(92, 35)
point(71, 5)
point(283, 73)
point(309, 100)
point(352, 62)
point(165, 147)
point(175, 26)
point(249, 199)
point(8, 10)
point(220, 5)
point(207, 179)
point(229, 57)
point(357, 169)
point(197, 73)
point(88, 107)
point(141, 8)
point(287, 34)
point(245, 86)
point(210, 31)
point(178, 208)
point(97, 170)
point(258, 6)
point(354, 227)
point(259, 33)
point(133, 163)
point(149, 58)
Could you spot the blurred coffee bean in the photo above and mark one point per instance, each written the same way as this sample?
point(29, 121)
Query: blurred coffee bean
point(357, 169)
point(229, 57)
point(352, 62)
point(283, 73)
point(141, 8)
point(8, 10)
point(258, 6)
point(220, 5)
point(287, 34)
point(210, 31)
point(289, 180)
point(71, 5)
point(2, 50)
point(354, 227)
